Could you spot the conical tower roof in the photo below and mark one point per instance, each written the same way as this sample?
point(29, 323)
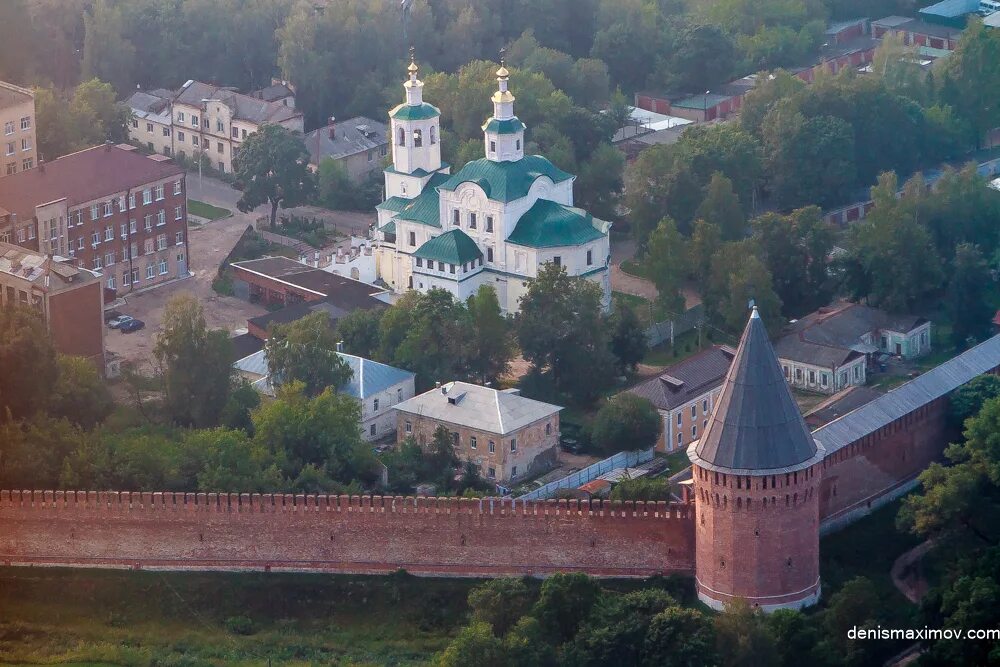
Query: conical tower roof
point(756, 424)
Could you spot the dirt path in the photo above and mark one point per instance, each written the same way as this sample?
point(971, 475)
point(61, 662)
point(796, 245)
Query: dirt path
point(907, 572)
point(623, 250)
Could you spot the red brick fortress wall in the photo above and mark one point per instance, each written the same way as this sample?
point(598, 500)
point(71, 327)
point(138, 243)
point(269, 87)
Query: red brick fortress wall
point(367, 534)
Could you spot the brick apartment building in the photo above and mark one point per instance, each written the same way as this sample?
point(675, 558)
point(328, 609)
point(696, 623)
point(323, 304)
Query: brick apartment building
point(110, 208)
point(17, 120)
point(70, 299)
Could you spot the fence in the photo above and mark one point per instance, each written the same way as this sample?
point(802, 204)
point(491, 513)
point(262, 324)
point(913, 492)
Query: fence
point(619, 460)
point(668, 329)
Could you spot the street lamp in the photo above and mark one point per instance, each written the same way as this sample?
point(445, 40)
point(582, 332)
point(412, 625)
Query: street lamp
point(704, 107)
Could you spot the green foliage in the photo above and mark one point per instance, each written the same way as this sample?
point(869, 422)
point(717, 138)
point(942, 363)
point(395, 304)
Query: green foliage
point(968, 296)
point(628, 338)
point(71, 121)
point(28, 367)
point(641, 488)
point(795, 248)
point(273, 166)
point(721, 207)
point(970, 81)
point(306, 351)
point(500, 603)
point(627, 422)
point(359, 331)
point(666, 259)
point(564, 601)
point(969, 399)
point(237, 413)
point(743, 638)
point(562, 330)
point(79, 393)
point(239, 625)
point(490, 345)
point(475, 645)
point(679, 638)
point(194, 363)
point(336, 190)
point(411, 463)
point(738, 276)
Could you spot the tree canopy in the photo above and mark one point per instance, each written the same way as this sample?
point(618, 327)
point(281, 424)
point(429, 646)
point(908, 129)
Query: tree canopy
point(273, 167)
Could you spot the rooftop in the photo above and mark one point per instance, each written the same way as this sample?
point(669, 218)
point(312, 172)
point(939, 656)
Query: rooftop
point(506, 181)
point(478, 407)
point(93, 173)
point(11, 95)
point(452, 247)
point(840, 404)
point(687, 380)
point(350, 137)
point(422, 111)
point(367, 377)
point(425, 208)
point(756, 425)
point(244, 107)
point(43, 272)
point(318, 281)
point(548, 224)
point(276, 92)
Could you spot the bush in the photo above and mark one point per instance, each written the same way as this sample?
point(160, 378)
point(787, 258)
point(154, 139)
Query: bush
point(239, 625)
point(626, 423)
point(223, 283)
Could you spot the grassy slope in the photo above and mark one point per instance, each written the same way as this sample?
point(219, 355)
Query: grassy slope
point(203, 210)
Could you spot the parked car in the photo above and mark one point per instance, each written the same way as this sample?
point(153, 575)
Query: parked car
point(111, 314)
point(117, 322)
point(131, 325)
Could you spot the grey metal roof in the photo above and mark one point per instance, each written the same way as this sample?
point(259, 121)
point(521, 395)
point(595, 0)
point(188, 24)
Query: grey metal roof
point(478, 407)
point(367, 379)
point(906, 398)
point(350, 137)
point(756, 424)
point(244, 107)
point(687, 380)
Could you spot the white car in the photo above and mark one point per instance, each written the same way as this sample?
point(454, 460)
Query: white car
point(120, 320)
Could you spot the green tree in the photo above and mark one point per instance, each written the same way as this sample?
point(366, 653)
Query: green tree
point(526, 646)
point(706, 239)
point(28, 367)
point(599, 184)
point(770, 89)
point(359, 331)
point(968, 296)
point(194, 363)
point(616, 629)
point(641, 488)
point(666, 259)
point(743, 638)
point(628, 339)
point(79, 393)
point(737, 277)
point(33, 450)
point(475, 646)
point(561, 329)
point(107, 53)
point(971, 79)
point(426, 334)
point(856, 604)
point(680, 638)
point(563, 603)
point(490, 343)
point(722, 207)
point(334, 187)
point(500, 603)
point(243, 400)
point(273, 166)
point(306, 351)
point(627, 422)
point(969, 399)
point(230, 462)
point(703, 56)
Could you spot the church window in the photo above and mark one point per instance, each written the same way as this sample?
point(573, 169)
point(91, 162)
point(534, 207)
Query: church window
point(409, 283)
point(451, 268)
point(493, 147)
point(472, 221)
point(518, 144)
point(590, 257)
point(694, 431)
point(456, 218)
point(418, 139)
point(413, 238)
point(489, 223)
point(433, 136)
point(557, 260)
point(401, 137)
point(440, 266)
point(420, 262)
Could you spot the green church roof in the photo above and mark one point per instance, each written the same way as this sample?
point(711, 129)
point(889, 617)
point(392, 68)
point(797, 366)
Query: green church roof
point(506, 181)
point(454, 247)
point(421, 111)
point(548, 224)
point(511, 126)
point(395, 204)
point(425, 208)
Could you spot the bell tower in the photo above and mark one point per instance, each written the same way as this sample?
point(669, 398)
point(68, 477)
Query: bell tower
point(503, 133)
point(756, 473)
point(416, 129)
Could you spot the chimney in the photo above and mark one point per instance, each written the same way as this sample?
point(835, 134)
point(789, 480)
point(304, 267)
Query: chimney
point(332, 127)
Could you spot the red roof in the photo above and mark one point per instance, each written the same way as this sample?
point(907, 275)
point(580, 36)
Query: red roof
point(595, 486)
point(89, 174)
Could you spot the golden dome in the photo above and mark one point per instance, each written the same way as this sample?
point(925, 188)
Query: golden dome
point(502, 72)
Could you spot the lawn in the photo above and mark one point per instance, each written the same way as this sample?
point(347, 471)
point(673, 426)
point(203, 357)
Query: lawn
point(643, 308)
point(632, 267)
point(684, 346)
point(202, 210)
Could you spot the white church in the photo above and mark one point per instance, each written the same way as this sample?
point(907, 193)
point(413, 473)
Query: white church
point(495, 221)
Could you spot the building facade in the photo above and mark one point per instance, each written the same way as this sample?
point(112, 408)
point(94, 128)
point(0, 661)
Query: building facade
point(69, 299)
point(505, 435)
point(495, 222)
point(17, 118)
point(360, 145)
point(204, 121)
point(756, 475)
point(110, 208)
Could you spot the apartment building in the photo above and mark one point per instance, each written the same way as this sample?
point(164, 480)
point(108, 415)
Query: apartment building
point(360, 144)
point(685, 395)
point(202, 119)
point(69, 299)
point(110, 208)
point(17, 118)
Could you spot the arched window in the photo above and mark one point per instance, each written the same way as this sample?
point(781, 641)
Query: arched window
point(433, 135)
point(739, 503)
point(418, 139)
point(401, 137)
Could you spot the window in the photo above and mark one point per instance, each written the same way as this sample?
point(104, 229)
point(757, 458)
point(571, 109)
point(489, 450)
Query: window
point(108, 209)
point(371, 155)
point(382, 151)
point(206, 123)
point(149, 127)
point(25, 144)
point(147, 246)
point(440, 266)
point(489, 254)
point(121, 204)
point(822, 379)
point(548, 429)
point(161, 242)
point(125, 278)
point(150, 271)
point(95, 238)
point(94, 212)
point(27, 163)
point(180, 137)
point(194, 121)
point(111, 283)
point(8, 127)
point(456, 218)
point(180, 116)
point(557, 260)
point(163, 267)
point(798, 375)
point(704, 406)
point(135, 276)
point(493, 147)
point(812, 377)
point(243, 133)
point(513, 471)
point(179, 238)
point(177, 187)
point(147, 197)
point(472, 221)
point(159, 193)
point(134, 250)
point(680, 418)
point(694, 411)
point(491, 472)
point(694, 431)
point(433, 136)
point(135, 123)
point(79, 243)
point(109, 233)
point(161, 217)
point(131, 226)
point(222, 166)
point(408, 427)
point(236, 133)
point(194, 140)
point(857, 372)
point(220, 147)
point(11, 168)
point(31, 232)
point(420, 262)
point(177, 213)
point(98, 263)
point(472, 442)
point(401, 137)
point(489, 223)
point(20, 237)
point(680, 438)
point(418, 139)
point(590, 257)
point(413, 239)
point(375, 405)
point(131, 200)
point(109, 258)
point(451, 268)
point(166, 131)
point(147, 222)
point(518, 144)
point(492, 446)
point(26, 123)
point(513, 444)
point(219, 126)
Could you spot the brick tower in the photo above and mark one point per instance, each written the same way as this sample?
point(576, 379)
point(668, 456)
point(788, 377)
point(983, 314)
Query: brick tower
point(756, 472)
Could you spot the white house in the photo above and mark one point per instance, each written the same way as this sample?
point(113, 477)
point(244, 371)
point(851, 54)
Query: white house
point(378, 387)
point(496, 221)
